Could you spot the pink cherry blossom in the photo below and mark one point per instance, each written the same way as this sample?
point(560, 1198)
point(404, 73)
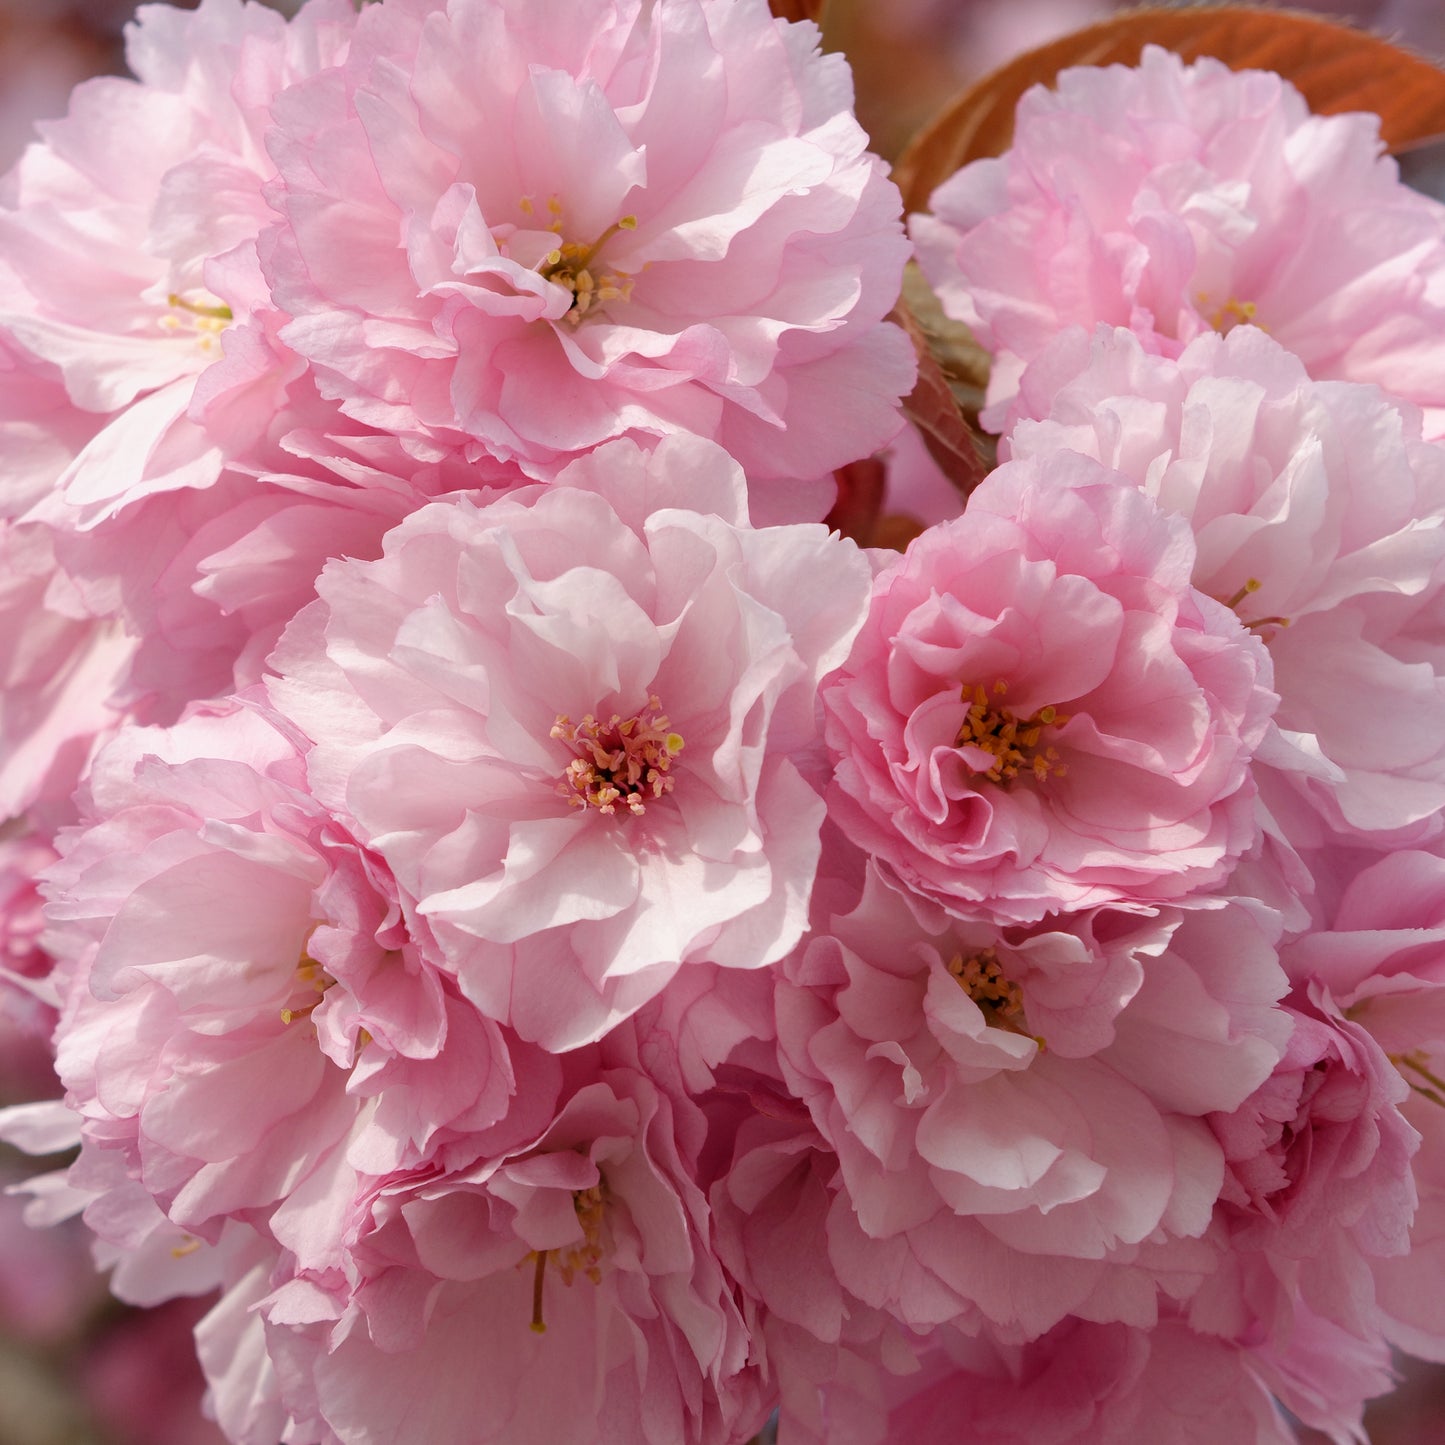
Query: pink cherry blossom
point(60, 670)
point(24, 964)
point(1412, 1313)
point(206, 580)
point(1088, 1384)
point(1040, 712)
point(1319, 515)
point(1323, 1372)
point(685, 232)
point(1318, 1189)
point(823, 1347)
point(130, 233)
point(1380, 953)
point(555, 944)
point(572, 722)
point(247, 1015)
point(994, 1123)
point(161, 431)
point(563, 1288)
point(1173, 198)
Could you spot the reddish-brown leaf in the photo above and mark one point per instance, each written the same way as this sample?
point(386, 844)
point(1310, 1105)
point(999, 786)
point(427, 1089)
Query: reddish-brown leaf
point(1337, 69)
point(798, 9)
point(934, 409)
point(860, 499)
point(858, 512)
point(896, 531)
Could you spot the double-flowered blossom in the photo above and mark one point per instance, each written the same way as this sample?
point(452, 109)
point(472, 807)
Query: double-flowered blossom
point(577, 723)
point(683, 231)
point(1088, 1384)
point(1172, 199)
point(1319, 1193)
point(561, 1286)
point(1379, 956)
point(146, 395)
point(245, 1013)
point(1041, 712)
point(1013, 1143)
point(129, 242)
point(1319, 515)
point(172, 472)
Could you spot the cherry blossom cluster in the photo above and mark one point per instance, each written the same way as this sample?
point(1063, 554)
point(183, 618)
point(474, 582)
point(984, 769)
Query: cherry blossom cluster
point(555, 942)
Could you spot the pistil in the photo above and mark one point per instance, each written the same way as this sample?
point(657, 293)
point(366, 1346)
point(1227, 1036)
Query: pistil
point(590, 1206)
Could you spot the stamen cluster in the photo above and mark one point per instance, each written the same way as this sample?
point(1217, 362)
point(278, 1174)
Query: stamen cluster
point(1012, 742)
point(982, 978)
point(584, 1259)
point(1225, 318)
point(620, 761)
point(310, 975)
point(207, 319)
point(570, 265)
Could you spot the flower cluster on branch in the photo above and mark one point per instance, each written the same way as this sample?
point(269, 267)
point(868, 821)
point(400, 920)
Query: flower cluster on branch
point(562, 944)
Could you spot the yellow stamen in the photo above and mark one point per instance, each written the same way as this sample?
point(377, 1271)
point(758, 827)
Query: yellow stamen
point(570, 264)
point(310, 974)
point(204, 321)
point(1012, 742)
point(622, 761)
point(1415, 1061)
point(585, 1258)
point(590, 1206)
point(1233, 313)
point(219, 312)
point(999, 998)
point(1252, 585)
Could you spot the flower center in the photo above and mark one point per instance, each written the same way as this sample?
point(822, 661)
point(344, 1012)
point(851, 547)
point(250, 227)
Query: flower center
point(207, 319)
point(1233, 313)
point(982, 979)
point(572, 264)
point(622, 761)
point(1000, 999)
point(1011, 742)
point(584, 1259)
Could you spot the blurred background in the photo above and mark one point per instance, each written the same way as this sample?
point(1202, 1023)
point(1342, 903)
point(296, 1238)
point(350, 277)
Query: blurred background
point(75, 1367)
